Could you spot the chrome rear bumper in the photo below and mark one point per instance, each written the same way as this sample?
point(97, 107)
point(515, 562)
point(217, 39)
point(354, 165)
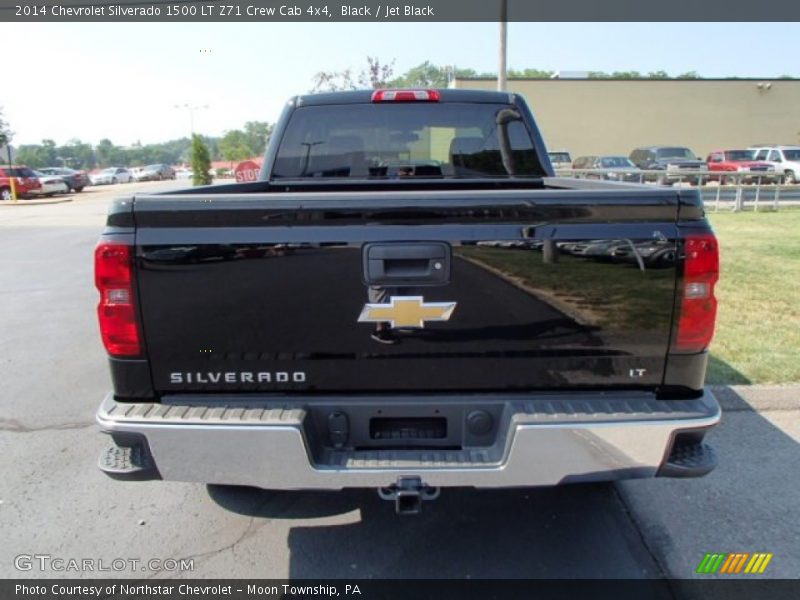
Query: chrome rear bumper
point(543, 439)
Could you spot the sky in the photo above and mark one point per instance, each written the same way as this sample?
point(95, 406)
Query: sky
point(122, 81)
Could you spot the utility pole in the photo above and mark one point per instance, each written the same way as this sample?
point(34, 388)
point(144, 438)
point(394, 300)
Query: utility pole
point(501, 71)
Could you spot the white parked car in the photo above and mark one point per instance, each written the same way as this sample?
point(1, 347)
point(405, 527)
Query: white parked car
point(785, 159)
point(181, 173)
point(111, 175)
point(51, 184)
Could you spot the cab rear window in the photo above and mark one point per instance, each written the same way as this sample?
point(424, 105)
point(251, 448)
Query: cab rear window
point(447, 140)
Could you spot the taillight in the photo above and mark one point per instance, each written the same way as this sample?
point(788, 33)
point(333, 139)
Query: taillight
point(405, 96)
point(698, 311)
point(113, 276)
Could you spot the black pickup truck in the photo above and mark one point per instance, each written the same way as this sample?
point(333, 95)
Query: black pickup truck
point(407, 300)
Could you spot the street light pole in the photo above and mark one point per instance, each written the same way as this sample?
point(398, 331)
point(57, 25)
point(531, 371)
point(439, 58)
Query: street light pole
point(191, 108)
point(501, 71)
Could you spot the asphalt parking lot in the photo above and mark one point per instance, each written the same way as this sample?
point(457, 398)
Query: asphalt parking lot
point(54, 501)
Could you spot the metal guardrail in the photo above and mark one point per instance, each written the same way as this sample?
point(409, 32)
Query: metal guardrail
point(745, 187)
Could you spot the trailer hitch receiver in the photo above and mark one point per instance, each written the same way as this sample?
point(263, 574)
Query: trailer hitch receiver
point(408, 494)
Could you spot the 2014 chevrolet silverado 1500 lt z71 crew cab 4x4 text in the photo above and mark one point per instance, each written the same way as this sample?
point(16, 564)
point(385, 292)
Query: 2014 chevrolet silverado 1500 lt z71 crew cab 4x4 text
point(408, 299)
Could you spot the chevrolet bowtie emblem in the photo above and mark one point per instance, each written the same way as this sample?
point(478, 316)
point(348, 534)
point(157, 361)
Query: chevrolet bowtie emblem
point(407, 311)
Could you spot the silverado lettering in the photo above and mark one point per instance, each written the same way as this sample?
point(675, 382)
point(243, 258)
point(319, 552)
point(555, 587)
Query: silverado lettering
point(408, 280)
point(238, 377)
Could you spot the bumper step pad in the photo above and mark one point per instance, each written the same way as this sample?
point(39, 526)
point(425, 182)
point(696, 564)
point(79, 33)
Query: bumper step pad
point(131, 463)
point(693, 460)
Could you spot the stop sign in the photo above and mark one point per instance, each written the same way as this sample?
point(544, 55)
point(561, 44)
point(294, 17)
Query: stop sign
point(247, 171)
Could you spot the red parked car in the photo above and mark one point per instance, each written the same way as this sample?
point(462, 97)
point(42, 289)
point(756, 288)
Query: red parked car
point(25, 181)
point(740, 161)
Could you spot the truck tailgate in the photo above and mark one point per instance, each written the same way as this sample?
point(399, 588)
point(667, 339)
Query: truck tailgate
point(534, 289)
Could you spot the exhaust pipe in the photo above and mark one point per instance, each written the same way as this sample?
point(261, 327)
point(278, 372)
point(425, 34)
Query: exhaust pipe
point(408, 494)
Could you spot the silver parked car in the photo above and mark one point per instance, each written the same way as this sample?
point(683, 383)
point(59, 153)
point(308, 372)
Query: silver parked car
point(51, 185)
point(111, 175)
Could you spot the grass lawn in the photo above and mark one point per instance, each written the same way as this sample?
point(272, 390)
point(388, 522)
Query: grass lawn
point(758, 323)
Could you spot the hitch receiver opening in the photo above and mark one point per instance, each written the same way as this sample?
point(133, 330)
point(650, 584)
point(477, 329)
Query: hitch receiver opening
point(408, 494)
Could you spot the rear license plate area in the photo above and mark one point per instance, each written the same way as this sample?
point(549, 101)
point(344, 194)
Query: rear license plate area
point(407, 428)
point(424, 425)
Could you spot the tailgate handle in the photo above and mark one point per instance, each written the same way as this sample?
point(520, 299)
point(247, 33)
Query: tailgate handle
point(406, 264)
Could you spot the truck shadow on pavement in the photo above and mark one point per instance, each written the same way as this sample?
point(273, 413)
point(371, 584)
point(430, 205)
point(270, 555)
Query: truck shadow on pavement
point(720, 372)
point(747, 504)
point(511, 533)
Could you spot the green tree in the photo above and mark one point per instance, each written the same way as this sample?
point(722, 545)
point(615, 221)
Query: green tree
point(106, 153)
point(467, 73)
point(637, 75)
point(257, 134)
point(234, 147)
point(49, 153)
point(333, 81)
point(429, 75)
point(27, 154)
point(375, 75)
point(530, 73)
point(201, 161)
point(424, 75)
point(77, 154)
point(626, 75)
point(39, 155)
